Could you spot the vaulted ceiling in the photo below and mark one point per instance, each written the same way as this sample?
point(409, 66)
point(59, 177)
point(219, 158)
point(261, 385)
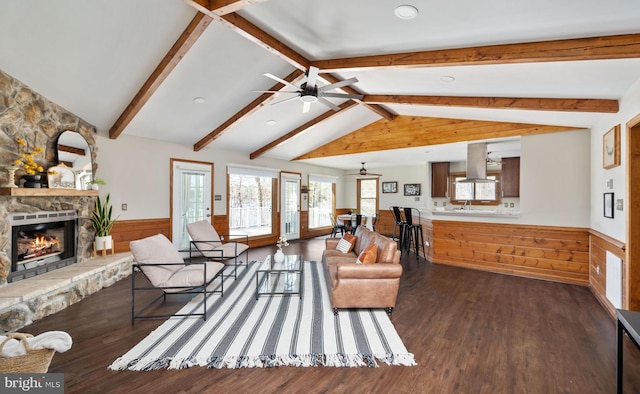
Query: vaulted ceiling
point(463, 70)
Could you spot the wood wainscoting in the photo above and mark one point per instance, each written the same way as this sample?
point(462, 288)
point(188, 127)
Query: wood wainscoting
point(125, 231)
point(543, 252)
point(600, 244)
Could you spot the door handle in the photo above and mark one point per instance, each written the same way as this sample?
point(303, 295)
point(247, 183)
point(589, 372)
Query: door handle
point(208, 215)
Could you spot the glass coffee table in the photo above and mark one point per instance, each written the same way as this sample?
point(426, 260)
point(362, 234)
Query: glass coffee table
point(284, 278)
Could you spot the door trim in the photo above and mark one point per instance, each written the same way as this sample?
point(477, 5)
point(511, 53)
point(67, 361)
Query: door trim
point(171, 162)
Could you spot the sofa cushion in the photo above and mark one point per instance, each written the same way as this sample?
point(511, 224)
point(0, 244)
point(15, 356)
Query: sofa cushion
point(369, 255)
point(156, 249)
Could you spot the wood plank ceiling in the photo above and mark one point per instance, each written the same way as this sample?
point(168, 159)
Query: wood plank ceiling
point(407, 131)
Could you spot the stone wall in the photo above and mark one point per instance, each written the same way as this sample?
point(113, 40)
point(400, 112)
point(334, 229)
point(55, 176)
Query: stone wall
point(26, 114)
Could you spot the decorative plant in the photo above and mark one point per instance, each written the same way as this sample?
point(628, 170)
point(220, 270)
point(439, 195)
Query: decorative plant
point(282, 242)
point(27, 158)
point(96, 181)
point(101, 217)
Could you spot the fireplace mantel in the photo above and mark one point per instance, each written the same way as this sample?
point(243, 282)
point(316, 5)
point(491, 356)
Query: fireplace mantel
point(28, 192)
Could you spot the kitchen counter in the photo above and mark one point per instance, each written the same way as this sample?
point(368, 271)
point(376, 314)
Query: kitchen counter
point(492, 213)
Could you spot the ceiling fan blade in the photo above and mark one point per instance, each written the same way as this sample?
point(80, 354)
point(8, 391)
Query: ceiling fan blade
point(338, 84)
point(312, 76)
point(341, 95)
point(306, 107)
point(328, 104)
point(285, 100)
point(273, 91)
point(282, 81)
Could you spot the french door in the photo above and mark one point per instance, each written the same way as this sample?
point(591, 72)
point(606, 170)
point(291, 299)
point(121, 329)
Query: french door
point(290, 205)
point(191, 186)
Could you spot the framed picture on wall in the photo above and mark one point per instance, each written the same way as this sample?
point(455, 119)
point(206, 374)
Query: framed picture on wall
point(411, 189)
point(608, 205)
point(389, 187)
point(611, 148)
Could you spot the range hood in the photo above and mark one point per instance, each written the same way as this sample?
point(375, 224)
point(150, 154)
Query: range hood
point(477, 163)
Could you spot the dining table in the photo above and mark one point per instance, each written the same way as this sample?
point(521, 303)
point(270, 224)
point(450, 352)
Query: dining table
point(344, 218)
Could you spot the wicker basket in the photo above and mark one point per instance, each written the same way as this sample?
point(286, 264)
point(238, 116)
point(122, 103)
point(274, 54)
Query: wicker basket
point(35, 361)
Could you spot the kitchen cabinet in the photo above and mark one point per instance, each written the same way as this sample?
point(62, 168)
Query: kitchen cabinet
point(510, 178)
point(439, 179)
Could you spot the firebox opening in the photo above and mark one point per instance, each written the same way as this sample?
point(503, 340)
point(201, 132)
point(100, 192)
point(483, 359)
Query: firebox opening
point(42, 243)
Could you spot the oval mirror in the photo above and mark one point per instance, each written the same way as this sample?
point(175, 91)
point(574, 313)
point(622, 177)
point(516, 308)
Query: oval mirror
point(73, 151)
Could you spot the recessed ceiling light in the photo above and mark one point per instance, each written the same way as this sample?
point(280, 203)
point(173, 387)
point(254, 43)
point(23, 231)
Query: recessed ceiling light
point(406, 11)
point(199, 100)
point(447, 78)
point(271, 122)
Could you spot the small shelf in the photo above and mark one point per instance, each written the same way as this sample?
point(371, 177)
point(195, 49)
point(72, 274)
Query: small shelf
point(28, 192)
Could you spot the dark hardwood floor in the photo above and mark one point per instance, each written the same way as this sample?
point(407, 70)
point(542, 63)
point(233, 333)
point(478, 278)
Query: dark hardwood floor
point(470, 331)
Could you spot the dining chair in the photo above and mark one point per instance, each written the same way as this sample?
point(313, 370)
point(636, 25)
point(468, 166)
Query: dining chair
point(336, 227)
point(358, 223)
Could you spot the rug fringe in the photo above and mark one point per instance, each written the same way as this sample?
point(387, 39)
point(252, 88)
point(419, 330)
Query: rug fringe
point(233, 362)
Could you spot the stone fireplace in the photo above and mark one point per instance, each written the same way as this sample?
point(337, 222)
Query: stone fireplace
point(24, 296)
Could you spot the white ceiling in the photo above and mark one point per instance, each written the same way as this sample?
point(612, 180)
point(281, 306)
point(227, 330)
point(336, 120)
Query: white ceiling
point(91, 57)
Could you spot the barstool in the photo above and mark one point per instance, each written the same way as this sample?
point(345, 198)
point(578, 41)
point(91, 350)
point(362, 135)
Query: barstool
point(400, 226)
point(374, 220)
point(413, 230)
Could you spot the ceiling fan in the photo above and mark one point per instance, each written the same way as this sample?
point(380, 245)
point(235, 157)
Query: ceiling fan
point(309, 92)
point(363, 172)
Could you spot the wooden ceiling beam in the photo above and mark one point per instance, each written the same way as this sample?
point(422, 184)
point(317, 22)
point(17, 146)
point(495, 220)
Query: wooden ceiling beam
point(386, 114)
point(186, 40)
point(244, 112)
point(536, 104)
point(223, 7)
point(413, 131)
point(594, 48)
point(343, 107)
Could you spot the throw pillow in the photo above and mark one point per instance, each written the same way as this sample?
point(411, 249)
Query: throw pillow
point(344, 246)
point(369, 255)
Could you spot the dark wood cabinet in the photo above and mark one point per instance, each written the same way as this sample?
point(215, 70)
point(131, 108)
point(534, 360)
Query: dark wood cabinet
point(439, 179)
point(510, 177)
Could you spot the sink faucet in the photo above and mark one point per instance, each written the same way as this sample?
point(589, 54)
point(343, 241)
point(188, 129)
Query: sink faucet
point(465, 204)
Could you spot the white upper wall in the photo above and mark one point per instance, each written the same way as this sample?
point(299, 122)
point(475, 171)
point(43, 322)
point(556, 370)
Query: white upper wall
point(137, 173)
point(616, 227)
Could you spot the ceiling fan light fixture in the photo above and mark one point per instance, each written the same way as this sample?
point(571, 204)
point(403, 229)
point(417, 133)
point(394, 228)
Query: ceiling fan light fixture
point(406, 11)
point(199, 100)
point(308, 98)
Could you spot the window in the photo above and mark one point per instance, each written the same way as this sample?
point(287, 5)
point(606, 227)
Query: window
point(367, 196)
point(251, 201)
point(321, 200)
point(487, 193)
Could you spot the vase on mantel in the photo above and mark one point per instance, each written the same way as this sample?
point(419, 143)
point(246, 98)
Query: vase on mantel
point(32, 181)
point(278, 257)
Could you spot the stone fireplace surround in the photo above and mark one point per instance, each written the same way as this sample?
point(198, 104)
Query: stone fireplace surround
point(26, 114)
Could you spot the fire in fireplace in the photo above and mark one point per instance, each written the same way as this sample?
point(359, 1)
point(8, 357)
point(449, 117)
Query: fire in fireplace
point(41, 242)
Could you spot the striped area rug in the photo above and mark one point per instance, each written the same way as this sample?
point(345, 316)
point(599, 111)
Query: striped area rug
point(241, 331)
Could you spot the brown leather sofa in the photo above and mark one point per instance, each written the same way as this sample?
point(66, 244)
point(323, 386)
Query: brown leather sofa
point(354, 285)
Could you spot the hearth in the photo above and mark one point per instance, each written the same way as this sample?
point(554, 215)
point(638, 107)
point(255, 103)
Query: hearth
point(41, 242)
